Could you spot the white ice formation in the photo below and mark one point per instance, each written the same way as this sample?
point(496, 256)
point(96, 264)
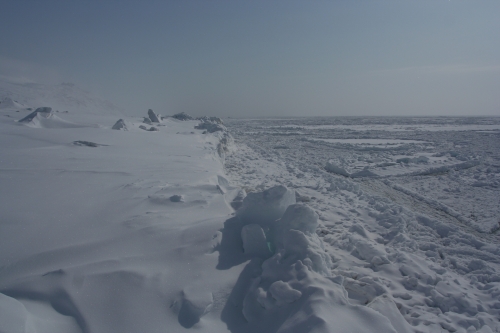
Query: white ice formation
point(120, 125)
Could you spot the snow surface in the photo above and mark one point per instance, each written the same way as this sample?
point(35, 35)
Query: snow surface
point(182, 229)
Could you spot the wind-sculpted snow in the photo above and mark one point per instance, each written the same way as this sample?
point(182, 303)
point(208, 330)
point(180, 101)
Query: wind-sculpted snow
point(111, 231)
point(411, 231)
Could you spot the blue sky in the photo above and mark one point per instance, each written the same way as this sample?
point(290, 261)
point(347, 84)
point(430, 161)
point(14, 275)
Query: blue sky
point(264, 58)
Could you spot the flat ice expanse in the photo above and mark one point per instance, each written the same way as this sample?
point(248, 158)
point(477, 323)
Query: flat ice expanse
point(294, 227)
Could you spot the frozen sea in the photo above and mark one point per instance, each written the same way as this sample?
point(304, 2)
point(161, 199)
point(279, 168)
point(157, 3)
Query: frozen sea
point(408, 206)
point(174, 224)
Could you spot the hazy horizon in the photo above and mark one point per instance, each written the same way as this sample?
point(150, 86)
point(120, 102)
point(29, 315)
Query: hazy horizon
point(264, 59)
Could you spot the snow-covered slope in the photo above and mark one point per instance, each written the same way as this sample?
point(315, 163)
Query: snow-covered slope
point(117, 235)
point(65, 97)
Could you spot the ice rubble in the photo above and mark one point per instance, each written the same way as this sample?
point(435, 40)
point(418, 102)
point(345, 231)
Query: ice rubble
point(293, 289)
point(397, 245)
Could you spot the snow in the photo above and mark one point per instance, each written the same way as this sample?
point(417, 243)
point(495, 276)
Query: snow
point(411, 229)
point(380, 226)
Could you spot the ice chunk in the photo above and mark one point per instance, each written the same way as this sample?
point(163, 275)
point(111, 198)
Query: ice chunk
point(211, 127)
point(309, 249)
point(266, 207)
point(238, 199)
point(195, 304)
point(182, 116)
point(120, 125)
point(283, 293)
point(299, 217)
point(45, 112)
point(153, 116)
point(254, 241)
point(334, 168)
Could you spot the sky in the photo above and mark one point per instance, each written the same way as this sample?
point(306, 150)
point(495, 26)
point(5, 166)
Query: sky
point(263, 58)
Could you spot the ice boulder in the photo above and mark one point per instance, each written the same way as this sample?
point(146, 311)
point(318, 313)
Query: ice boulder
point(237, 202)
point(153, 116)
point(334, 168)
point(182, 116)
point(216, 120)
point(120, 125)
point(210, 127)
point(254, 241)
point(266, 207)
point(195, 304)
point(307, 248)
point(283, 293)
point(44, 112)
point(298, 217)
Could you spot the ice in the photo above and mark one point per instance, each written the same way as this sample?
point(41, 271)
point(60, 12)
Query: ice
point(298, 217)
point(254, 241)
point(384, 305)
point(44, 112)
point(283, 293)
point(413, 234)
point(242, 227)
point(120, 125)
point(195, 304)
point(182, 116)
point(265, 207)
point(153, 116)
point(210, 126)
point(332, 167)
